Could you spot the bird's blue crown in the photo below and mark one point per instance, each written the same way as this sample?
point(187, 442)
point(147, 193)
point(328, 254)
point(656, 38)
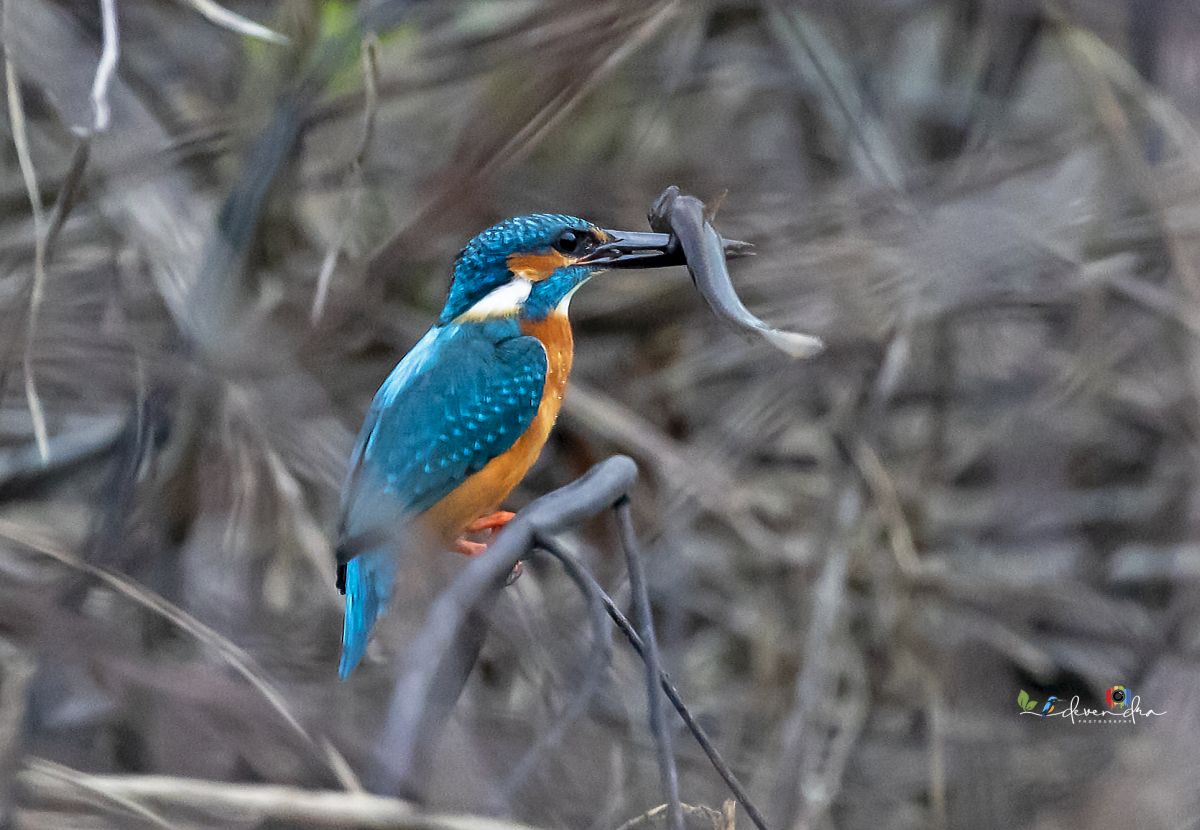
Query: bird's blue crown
point(482, 265)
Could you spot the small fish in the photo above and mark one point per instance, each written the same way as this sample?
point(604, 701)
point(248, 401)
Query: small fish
point(682, 216)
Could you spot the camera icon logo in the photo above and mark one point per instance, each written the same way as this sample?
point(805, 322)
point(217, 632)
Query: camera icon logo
point(1118, 697)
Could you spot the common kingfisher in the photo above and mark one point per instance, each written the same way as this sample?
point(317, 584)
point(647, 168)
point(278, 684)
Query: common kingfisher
point(462, 418)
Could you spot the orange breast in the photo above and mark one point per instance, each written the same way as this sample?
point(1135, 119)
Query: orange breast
point(483, 492)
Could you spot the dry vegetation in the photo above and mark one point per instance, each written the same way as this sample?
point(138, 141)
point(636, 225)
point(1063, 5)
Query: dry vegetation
point(989, 211)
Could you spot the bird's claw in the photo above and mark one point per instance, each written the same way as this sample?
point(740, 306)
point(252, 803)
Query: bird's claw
point(515, 573)
point(490, 523)
point(468, 548)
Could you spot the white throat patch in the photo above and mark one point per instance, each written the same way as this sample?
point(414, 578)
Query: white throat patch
point(504, 301)
point(565, 303)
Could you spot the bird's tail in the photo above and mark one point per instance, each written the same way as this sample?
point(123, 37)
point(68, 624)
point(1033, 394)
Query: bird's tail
point(368, 586)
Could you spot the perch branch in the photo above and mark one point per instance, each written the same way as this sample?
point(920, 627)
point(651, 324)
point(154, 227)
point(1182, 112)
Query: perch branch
point(436, 666)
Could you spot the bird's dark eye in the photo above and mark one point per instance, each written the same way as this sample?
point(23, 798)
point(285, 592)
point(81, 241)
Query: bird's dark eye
point(576, 244)
point(568, 242)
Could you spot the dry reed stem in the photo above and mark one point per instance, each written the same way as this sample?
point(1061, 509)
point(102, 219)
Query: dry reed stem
point(52, 785)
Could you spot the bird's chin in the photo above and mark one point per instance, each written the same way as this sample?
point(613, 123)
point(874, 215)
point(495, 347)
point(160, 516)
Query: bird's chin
point(564, 304)
point(541, 309)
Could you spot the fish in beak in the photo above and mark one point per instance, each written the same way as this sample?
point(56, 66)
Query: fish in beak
point(641, 249)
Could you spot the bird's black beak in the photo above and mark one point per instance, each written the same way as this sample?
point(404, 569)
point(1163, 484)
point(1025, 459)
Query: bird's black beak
point(636, 249)
point(639, 249)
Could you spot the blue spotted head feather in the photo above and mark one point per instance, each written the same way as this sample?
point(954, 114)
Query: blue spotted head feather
point(483, 265)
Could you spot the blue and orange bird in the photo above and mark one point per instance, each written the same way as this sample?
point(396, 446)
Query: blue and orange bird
point(464, 415)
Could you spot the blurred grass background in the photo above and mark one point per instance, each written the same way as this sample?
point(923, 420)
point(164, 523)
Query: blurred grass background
point(989, 211)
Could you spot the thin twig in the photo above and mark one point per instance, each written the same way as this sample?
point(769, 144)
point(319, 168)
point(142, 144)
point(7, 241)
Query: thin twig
point(706, 745)
point(564, 103)
point(814, 680)
point(883, 490)
point(68, 191)
point(351, 187)
point(68, 776)
point(532, 132)
point(696, 811)
point(828, 784)
point(645, 621)
point(17, 669)
point(249, 804)
point(841, 90)
point(238, 660)
point(936, 710)
point(16, 114)
point(729, 814)
point(63, 204)
point(109, 53)
point(234, 22)
point(597, 663)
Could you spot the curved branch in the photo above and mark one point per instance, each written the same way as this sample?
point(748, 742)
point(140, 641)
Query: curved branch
point(435, 667)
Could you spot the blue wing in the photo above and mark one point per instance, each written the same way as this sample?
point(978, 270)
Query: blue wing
point(461, 397)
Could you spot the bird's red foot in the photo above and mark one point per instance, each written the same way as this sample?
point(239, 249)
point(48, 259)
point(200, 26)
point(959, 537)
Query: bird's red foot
point(491, 523)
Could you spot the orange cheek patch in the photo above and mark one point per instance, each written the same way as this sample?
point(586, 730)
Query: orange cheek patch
point(537, 267)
